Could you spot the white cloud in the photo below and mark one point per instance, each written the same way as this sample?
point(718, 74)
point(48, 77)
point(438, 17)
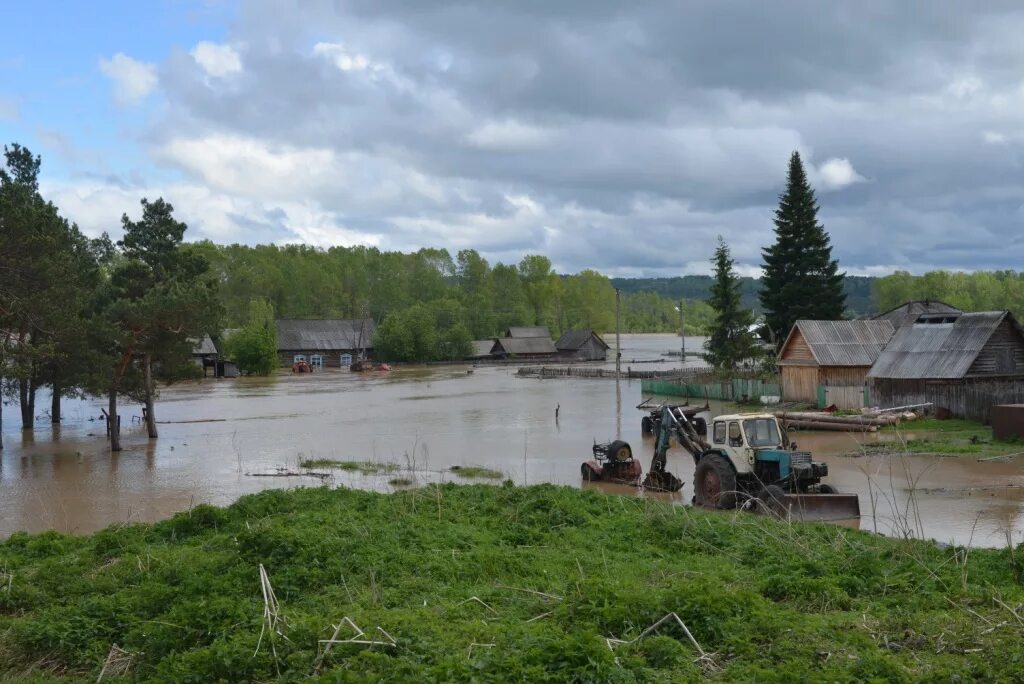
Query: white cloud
point(508, 135)
point(342, 58)
point(837, 173)
point(133, 80)
point(217, 60)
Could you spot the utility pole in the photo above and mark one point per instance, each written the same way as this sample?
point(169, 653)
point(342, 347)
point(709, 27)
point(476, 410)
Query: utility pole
point(682, 336)
point(618, 339)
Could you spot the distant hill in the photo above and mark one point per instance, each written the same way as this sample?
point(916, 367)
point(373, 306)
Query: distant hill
point(858, 290)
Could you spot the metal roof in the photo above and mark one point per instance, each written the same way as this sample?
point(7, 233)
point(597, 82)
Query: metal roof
point(523, 345)
point(843, 343)
point(931, 347)
point(482, 347)
point(574, 339)
point(324, 335)
point(530, 331)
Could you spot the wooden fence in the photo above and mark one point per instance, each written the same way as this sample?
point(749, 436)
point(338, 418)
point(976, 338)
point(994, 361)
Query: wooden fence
point(585, 372)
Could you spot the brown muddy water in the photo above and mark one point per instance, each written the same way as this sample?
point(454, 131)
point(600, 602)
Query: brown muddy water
point(215, 434)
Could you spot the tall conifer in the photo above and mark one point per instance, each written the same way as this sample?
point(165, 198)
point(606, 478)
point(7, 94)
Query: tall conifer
point(731, 341)
point(801, 279)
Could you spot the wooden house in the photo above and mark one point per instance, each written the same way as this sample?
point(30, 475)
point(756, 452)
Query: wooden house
point(524, 348)
point(835, 355)
point(582, 345)
point(962, 364)
point(330, 343)
point(482, 349)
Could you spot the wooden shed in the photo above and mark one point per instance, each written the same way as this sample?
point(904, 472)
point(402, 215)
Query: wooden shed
point(324, 343)
point(963, 364)
point(582, 345)
point(835, 355)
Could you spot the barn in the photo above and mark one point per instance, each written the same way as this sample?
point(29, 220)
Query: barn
point(962, 363)
point(582, 345)
point(324, 343)
point(524, 332)
point(827, 362)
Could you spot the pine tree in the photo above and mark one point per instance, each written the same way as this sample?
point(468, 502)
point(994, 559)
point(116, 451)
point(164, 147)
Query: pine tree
point(731, 341)
point(801, 279)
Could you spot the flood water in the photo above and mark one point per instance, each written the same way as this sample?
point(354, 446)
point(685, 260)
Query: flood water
point(215, 434)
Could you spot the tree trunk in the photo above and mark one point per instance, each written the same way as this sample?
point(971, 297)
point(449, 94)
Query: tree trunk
point(150, 417)
point(115, 428)
point(55, 404)
point(27, 414)
point(1, 414)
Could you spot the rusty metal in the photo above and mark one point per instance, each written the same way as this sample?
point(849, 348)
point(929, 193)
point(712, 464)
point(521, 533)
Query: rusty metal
point(834, 508)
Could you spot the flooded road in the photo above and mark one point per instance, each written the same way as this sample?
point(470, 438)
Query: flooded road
point(215, 433)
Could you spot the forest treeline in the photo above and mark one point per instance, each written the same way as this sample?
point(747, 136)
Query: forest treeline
point(978, 291)
point(463, 291)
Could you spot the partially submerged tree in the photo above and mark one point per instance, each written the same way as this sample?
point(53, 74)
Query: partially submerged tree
point(158, 301)
point(731, 341)
point(801, 279)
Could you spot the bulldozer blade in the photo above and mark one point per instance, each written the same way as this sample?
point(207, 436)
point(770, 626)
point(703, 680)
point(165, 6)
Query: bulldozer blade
point(836, 508)
point(662, 481)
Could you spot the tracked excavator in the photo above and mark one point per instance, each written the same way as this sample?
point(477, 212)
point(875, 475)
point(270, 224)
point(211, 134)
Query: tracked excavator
point(746, 461)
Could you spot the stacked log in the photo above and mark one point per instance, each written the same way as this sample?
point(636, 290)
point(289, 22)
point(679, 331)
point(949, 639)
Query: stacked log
point(810, 420)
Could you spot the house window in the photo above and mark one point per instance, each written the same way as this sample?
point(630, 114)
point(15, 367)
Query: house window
point(298, 357)
point(346, 360)
point(316, 361)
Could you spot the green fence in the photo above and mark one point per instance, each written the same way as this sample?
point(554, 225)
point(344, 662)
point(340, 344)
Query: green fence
point(729, 390)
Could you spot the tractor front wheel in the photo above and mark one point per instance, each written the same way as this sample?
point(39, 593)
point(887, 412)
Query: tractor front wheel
point(714, 482)
point(771, 501)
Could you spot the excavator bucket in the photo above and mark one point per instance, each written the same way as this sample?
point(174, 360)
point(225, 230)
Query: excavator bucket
point(662, 481)
point(841, 509)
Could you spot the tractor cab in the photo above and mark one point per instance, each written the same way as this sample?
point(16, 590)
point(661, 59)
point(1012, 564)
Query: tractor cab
point(758, 447)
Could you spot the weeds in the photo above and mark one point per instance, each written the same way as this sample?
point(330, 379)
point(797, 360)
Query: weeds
point(364, 467)
point(485, 583)
point(477, 471)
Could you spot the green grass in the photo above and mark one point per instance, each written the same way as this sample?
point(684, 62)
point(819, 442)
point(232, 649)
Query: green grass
point(946, 438)
point(537, 577)
point(401, 482)
point(364, 467)
point(477, 471)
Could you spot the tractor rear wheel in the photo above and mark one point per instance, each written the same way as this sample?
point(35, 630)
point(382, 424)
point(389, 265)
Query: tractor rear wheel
point(714, 482)
point(619, 451)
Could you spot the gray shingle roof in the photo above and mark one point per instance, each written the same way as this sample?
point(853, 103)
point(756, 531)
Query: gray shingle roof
point(204, 347)
point(523, 345)
point(911, 310)
point(574, 339)
point(937, 350)
point(482, 347)
point(844, 343)
point(532, 331)
point(324, 335)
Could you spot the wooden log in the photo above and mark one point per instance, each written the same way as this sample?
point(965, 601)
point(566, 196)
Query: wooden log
point(829, 418)
point(823, 425)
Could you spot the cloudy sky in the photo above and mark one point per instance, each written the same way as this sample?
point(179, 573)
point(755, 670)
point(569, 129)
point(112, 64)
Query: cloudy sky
point(611, 135)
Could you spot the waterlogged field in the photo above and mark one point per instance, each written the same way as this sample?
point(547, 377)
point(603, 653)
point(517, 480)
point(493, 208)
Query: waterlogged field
point(500, 583)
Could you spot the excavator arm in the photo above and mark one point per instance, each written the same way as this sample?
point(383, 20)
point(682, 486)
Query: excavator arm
point(673, 424)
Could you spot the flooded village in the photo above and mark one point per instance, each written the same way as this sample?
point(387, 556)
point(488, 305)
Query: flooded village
point(347, 341)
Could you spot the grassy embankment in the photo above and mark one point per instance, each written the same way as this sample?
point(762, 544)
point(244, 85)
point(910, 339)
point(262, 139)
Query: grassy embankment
point(484, 583)
point(946, 438)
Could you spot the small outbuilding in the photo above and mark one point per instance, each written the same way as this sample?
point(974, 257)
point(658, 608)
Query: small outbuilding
point(324, 343)
point(582, 345)
point(827, 362)
point(962, 364)
point(523, 348)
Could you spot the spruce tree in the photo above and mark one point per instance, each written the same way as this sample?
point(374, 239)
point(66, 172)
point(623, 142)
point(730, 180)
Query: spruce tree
point(731, 341)
point(801, 279)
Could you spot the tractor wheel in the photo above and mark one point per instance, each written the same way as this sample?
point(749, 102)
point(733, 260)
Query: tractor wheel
point(771, 501)
point(826, 489)
point(619, 451)
point(646, 425)
point(714, 482)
